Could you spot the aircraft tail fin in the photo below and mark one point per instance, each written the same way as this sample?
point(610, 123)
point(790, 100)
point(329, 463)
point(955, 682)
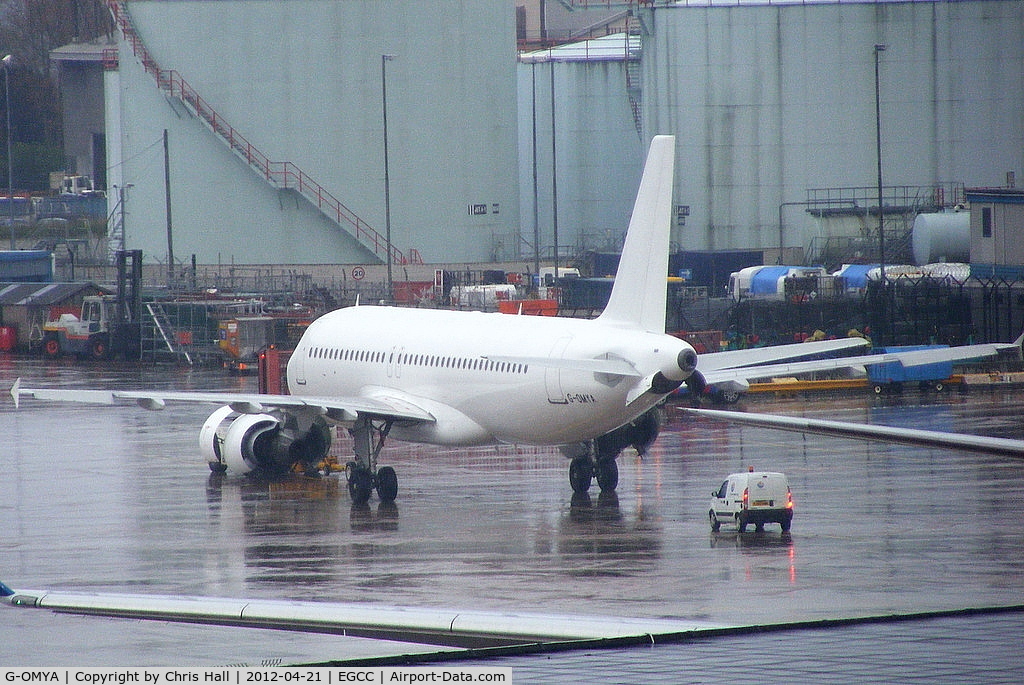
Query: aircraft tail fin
point(1019, 342)
point(639, 294)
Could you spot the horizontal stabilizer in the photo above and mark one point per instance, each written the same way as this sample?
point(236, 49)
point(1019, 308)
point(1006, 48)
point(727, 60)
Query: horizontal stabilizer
point(718, 373)
point(775, 353)
point(939, 354)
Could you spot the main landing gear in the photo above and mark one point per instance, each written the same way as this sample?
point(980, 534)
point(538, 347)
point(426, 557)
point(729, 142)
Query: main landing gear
point(368, 435)
point(582, 471)
point(599, 460)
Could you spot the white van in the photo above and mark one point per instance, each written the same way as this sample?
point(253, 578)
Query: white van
point(752, 498)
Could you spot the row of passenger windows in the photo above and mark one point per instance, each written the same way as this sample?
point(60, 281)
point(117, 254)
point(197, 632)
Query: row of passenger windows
point(426, 360)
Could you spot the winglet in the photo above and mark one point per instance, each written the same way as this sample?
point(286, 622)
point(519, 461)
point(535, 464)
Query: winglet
point(16, 394)
point(5, 591)
point(640, 289)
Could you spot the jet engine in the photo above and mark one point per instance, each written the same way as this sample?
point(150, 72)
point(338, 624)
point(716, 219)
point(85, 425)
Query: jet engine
point(696, 384)
point(639, 434)
point(263, 443)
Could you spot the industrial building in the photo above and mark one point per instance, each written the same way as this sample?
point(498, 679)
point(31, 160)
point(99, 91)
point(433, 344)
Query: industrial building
point(997, 222)
point(275, 118)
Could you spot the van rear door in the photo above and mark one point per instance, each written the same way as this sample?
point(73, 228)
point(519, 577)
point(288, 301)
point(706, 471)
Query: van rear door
point(767, 491)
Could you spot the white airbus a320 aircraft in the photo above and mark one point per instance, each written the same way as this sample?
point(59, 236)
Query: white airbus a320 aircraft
point(464, 378)
point(455, 378)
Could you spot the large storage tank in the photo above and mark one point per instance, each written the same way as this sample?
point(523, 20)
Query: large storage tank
point(942, 237)
point(772, 102)
point(301, 84)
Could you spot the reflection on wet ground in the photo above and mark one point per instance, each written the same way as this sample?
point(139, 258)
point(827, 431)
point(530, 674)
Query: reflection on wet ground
point(118, 499)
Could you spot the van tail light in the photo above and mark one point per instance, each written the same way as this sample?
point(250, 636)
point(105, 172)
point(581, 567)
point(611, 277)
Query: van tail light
point(789, 498)
point(746, 497)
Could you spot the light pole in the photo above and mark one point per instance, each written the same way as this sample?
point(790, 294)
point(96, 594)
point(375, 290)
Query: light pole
point(10, 177)
point(384, 59)
point(881, 215)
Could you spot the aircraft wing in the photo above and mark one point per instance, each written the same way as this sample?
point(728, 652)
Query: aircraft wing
point(928, 438)
point(459, 627)
point(335, 408)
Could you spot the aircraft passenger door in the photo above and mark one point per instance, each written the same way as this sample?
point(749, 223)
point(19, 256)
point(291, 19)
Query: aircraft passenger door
point(553, 374)
point(297, 363)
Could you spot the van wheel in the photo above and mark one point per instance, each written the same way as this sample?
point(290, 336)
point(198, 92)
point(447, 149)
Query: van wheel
point(716, 525)
point(786, 525)
point(741, 524)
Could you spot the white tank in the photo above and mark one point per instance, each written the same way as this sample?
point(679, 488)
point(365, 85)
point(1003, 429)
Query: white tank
point(942, 237)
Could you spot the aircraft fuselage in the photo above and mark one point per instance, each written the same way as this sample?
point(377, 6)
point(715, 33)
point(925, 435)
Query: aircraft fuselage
point(485, 377)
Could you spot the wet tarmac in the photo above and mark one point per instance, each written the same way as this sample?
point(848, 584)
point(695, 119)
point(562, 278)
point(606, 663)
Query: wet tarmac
point(117, 499)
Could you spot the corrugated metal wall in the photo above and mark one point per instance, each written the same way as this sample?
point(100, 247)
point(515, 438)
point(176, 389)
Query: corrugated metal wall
point(301, 80)
point(768, 101)
point(599, 156)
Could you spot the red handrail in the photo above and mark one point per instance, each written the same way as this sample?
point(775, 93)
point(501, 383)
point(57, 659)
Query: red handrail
point(279, 174)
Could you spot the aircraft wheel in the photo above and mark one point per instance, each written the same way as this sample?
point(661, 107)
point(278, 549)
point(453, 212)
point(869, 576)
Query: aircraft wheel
point(607, 474)
point(387, 484)
point(581, 471)
point(360, 485)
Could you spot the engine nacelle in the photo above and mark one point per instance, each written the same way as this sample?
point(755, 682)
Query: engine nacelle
point(249, 444)
point(211, 435)
point(640, 434)
point(260, 442)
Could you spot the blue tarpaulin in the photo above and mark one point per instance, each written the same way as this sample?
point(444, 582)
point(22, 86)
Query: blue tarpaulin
point(856, 275)
point(766, 281)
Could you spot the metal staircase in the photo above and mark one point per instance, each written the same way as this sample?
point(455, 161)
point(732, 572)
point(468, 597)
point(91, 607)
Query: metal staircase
point(281, 175)
point(164, 330)
point(633, 88)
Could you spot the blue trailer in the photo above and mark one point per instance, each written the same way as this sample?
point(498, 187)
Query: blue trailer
point(26, 266)
point(890, 376)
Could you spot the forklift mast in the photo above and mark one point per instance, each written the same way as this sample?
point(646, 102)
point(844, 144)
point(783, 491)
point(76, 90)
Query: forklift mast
point(129, 286)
